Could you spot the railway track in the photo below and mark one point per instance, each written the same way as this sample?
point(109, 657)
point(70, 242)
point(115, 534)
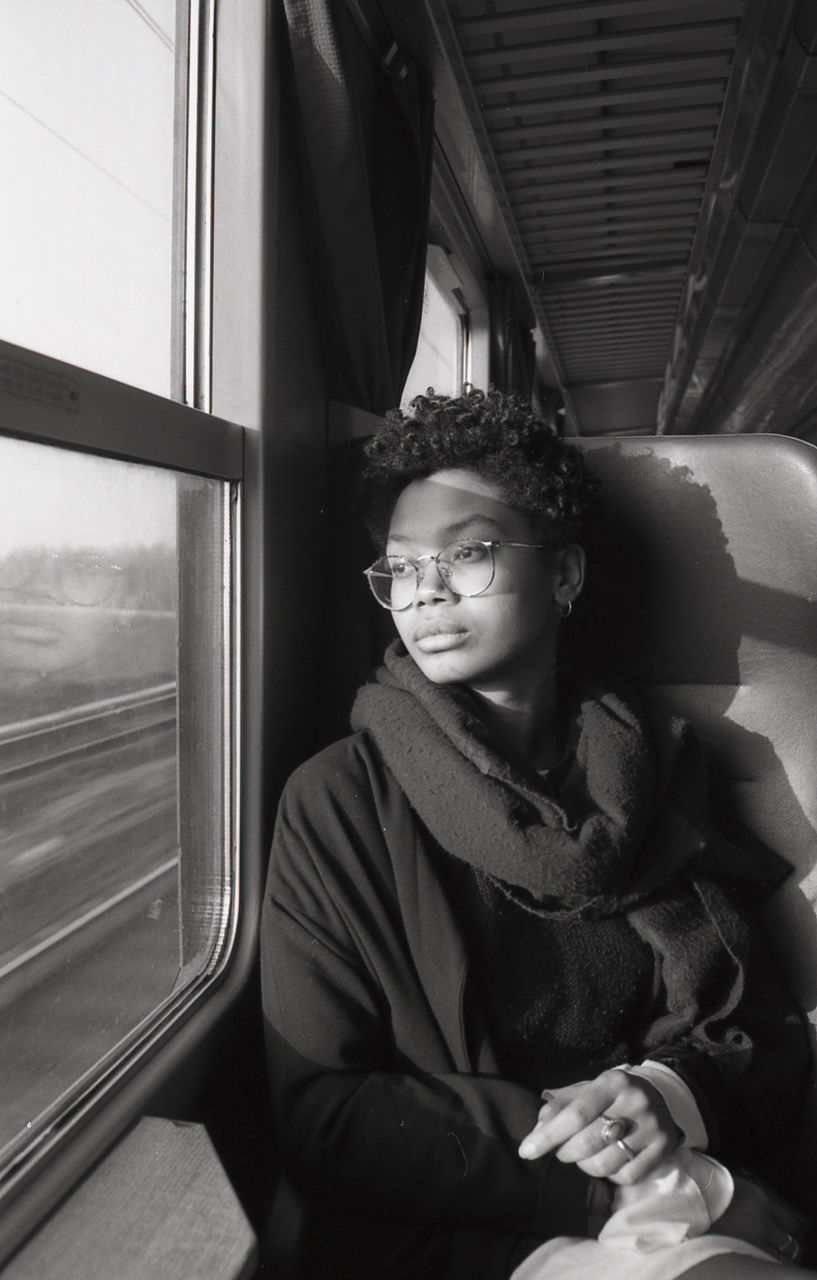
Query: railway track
point(89, 835)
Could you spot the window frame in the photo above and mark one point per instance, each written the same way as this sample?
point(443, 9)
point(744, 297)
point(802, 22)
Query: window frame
point(150, 430)
point(452, 232)
point(440, 273)
point(224, 370)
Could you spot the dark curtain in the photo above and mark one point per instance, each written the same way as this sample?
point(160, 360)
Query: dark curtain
point(512, 354)
point(367, 144)
point(366, 129)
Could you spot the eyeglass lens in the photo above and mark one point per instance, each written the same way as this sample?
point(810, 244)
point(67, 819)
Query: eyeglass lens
point(83, 577)
point(467, 568)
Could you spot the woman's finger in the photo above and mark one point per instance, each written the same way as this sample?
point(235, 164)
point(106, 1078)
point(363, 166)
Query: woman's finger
point(557, 1123)
point(625, 1162)
point(596, 1138)
point(637, 1115)
point(616, 1126)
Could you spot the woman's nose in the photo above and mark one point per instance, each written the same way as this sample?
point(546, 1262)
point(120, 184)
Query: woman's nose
point(432, 585)
point(41, 586)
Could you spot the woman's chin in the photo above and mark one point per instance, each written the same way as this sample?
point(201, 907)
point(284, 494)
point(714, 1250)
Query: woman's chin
point(444, 666)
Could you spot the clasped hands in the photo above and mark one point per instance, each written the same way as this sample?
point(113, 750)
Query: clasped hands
point(616, 1127)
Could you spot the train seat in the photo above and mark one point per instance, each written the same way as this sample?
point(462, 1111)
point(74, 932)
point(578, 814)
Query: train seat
point(702, 590)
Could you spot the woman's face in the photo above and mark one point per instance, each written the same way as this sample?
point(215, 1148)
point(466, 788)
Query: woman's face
point(503, 640)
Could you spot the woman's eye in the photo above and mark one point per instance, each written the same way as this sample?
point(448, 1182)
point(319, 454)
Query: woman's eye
point(400, 568)
point(468, 551)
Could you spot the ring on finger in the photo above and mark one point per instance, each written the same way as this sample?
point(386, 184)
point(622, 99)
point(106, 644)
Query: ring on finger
point(626, 1148)
point(614, 1127)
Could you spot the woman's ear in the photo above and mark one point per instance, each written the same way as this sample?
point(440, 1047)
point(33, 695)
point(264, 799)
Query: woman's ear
point(569, 575)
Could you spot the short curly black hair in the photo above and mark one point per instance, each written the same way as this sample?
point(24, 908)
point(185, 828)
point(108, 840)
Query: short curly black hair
point(497, 436)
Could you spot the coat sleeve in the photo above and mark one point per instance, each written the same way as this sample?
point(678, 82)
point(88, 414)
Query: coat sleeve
point(357, 1121)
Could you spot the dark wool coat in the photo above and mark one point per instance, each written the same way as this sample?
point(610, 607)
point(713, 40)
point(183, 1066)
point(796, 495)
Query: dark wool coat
point(393, 1119)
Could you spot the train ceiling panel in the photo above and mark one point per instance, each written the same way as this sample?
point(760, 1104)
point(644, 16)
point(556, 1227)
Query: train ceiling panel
point(606, 126)
point(602, 119)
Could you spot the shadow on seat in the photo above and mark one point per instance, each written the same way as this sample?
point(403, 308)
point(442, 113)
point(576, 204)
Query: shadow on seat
point(702, 590)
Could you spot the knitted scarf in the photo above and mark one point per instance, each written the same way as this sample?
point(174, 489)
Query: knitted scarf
point(633, 837)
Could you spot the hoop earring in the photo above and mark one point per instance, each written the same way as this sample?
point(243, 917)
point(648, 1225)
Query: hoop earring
point(566, 609)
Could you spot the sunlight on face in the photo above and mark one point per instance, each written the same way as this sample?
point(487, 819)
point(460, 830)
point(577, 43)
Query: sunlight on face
point(498, 640)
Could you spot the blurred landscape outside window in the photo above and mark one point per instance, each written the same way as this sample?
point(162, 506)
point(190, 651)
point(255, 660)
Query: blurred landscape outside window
point(112, 896)
point(117, 859)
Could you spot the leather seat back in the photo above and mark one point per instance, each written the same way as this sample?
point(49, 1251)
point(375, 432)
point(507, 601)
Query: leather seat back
point(702, 590)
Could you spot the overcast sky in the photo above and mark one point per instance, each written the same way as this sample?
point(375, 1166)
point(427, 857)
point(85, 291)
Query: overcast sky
point(86, 135)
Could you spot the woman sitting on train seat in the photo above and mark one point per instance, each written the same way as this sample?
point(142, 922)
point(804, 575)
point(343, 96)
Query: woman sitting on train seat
point(504, 889)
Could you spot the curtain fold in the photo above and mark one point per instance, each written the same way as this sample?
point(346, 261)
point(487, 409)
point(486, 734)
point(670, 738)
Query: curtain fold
point(367, 147)
point(366, 140)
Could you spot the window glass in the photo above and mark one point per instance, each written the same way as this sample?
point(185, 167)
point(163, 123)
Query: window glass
point(115, 880)
point(87, 100)
point(438, 361)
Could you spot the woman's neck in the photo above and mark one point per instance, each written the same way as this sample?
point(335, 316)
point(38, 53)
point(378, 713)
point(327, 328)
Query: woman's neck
point(527, 726)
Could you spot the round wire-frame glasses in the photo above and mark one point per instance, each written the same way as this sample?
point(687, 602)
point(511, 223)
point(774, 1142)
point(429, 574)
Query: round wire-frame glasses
point(467, 568)
point(85, 577)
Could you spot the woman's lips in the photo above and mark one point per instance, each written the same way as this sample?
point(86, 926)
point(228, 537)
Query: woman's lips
point(436, 637)
point(34, 634)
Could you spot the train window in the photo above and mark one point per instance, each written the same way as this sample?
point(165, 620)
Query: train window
point(116, 865)
point(122, 938)
point(89, 223)
point(442, 347)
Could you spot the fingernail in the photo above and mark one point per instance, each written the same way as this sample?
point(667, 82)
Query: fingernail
point(527, 1150)
point(546, 1095)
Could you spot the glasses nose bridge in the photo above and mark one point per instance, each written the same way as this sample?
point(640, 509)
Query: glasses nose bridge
point(421, 567)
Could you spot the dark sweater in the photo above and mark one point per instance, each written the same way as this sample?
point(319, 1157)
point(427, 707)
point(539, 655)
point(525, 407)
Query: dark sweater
point(394, 1115)
point(564, 999)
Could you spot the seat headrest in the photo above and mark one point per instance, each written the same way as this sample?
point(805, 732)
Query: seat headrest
point(702, 590)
